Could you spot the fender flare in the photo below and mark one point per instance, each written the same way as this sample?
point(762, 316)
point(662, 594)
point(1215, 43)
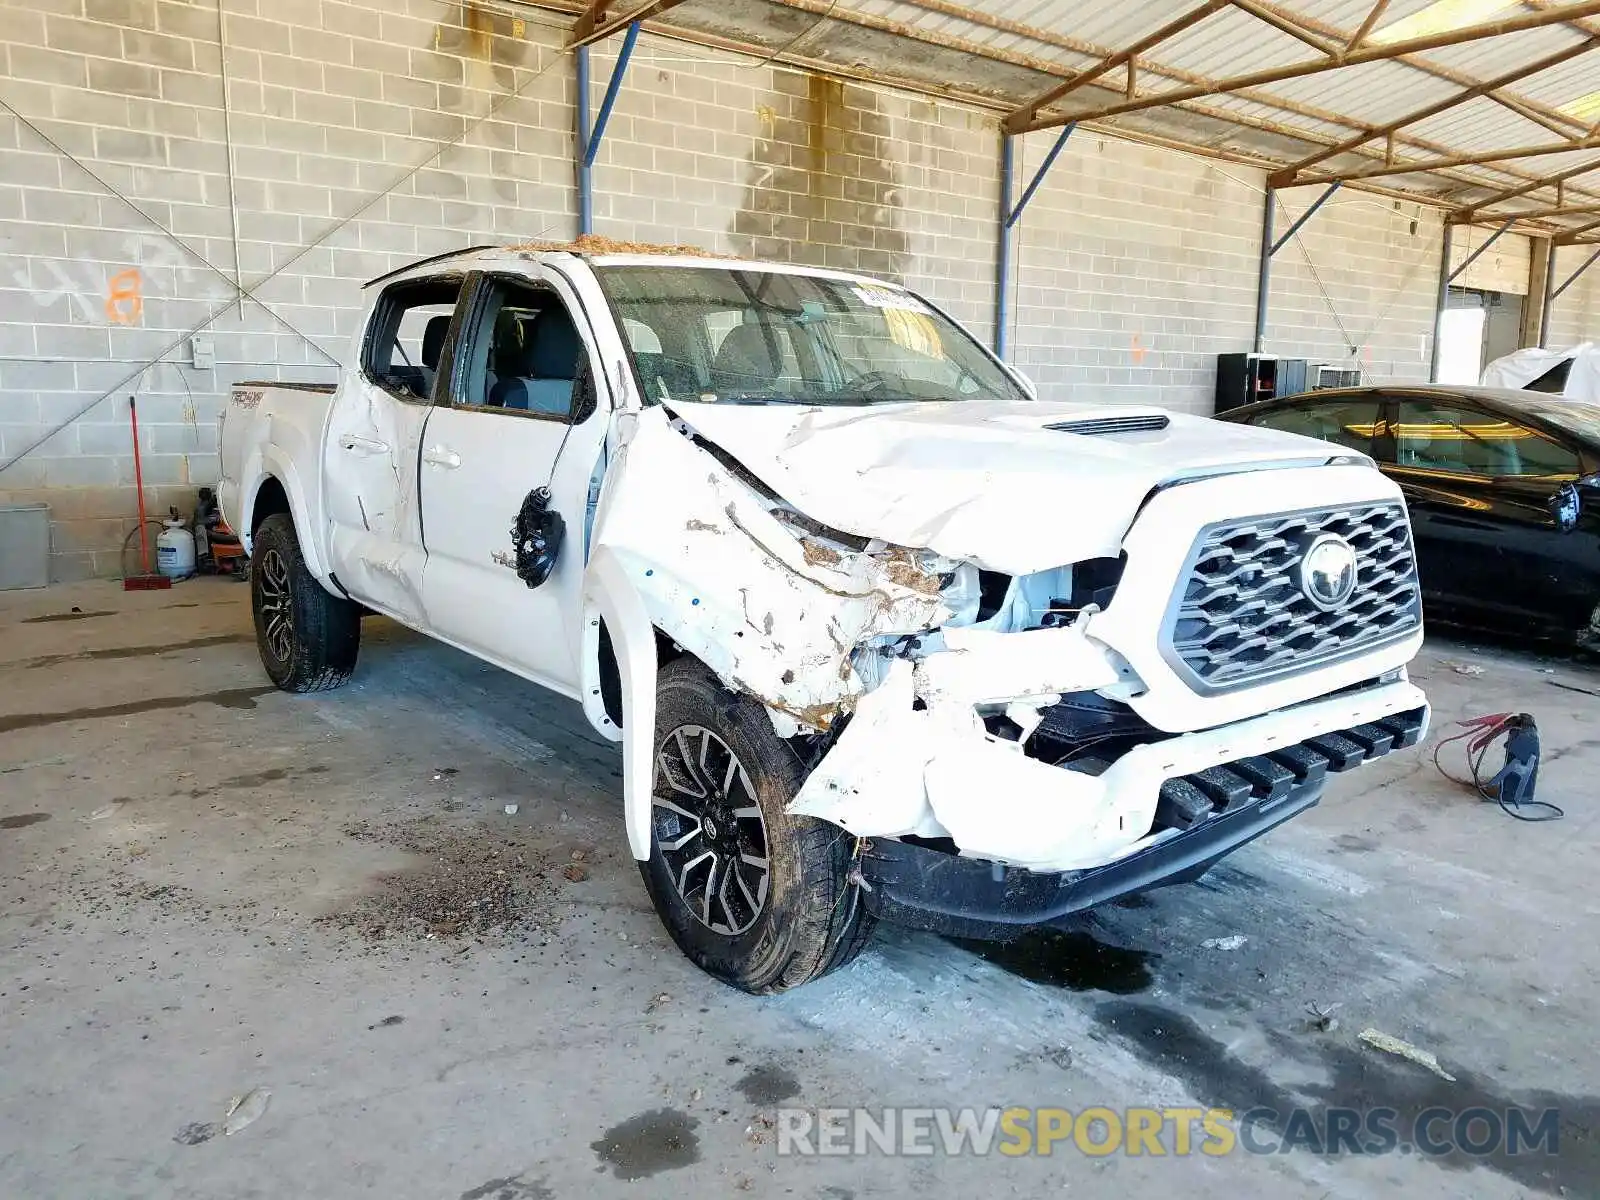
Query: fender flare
point(274, 465)
point(609, 596)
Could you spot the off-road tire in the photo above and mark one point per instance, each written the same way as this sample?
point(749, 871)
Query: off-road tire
point(813, 920)
point(318, 649)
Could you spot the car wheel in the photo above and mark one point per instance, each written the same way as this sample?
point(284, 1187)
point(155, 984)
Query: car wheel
point(308, 637)
point(757, 897)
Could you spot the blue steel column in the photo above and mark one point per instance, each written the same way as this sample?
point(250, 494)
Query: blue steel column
point(1264, 272)
point(1002, 281)
point(585, 169)
point(1439, 304)
point(1549, 292)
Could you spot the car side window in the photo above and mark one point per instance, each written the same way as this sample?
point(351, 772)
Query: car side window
point(1463, 441)
point(1348, 423)
point(406, 336)
point(523, 353)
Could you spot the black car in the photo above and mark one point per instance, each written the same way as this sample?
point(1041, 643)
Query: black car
point(1503, 492)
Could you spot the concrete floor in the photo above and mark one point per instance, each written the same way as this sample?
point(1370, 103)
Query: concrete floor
point(208, 887)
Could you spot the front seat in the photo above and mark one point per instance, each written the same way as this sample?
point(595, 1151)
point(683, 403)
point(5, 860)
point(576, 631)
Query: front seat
point(433, 335)
point(747, 360)
point(543, 381)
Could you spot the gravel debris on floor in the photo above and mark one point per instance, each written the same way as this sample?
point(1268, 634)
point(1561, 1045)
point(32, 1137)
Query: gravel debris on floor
point(473, 883)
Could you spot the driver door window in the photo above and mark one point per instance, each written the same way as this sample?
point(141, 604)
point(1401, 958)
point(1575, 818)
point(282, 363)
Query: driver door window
point(1462, 441)
point(523, 353)
point(1352, 424)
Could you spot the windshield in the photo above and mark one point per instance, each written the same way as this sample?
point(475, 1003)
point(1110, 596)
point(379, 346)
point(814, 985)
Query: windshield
point(765, 337)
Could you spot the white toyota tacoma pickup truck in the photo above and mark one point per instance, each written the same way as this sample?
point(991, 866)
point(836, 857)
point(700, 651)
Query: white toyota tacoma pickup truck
point(882, 635)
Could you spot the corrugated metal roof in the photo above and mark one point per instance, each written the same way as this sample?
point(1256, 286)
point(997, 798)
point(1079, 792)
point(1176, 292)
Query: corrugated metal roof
point(1004, 54)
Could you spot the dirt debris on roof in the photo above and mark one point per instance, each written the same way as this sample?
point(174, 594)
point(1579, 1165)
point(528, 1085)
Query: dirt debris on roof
point(591, 243)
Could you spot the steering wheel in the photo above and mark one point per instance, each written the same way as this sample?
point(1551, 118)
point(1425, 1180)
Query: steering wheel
point(876, 381)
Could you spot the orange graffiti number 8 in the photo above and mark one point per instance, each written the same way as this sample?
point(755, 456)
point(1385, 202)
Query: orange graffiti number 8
point(125, 298)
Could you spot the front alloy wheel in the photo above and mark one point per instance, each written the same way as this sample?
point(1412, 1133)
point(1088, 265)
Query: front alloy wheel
point(756, 896)
point(710, 830)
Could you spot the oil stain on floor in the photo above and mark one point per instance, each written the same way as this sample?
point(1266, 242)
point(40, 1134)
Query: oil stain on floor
point(1073, 959)
point(1357, 1080)
point(241, 698)
point(765, 1086)
point(663, 1139)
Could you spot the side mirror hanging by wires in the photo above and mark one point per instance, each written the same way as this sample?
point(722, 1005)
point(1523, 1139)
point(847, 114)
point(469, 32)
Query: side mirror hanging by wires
point(537, 536)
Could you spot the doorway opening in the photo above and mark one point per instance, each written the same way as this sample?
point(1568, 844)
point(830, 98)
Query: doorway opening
point(1478, 327)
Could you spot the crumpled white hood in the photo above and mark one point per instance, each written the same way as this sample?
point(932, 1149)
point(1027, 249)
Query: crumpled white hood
point(982, 481)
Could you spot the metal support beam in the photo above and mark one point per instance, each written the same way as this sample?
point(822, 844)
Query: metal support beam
point(1305, 216)
point(591, 145)
point(1002, 274)
point(1027, 117)
point(590, 135)
point(1426, 165)
point(1286, 176)
point(581, 158)
point(1549, 293)
point(1532, 186)
point(595, 26)
point(1270, 247)
point(1572, 235)
point(1264, 270)
point(1439, 303)
point(1532, 214)
point(1020, 120)
point(1010, 214)
point(1015, 214)
point(1360, 35)
point(1573, 278)
point(1487, 242)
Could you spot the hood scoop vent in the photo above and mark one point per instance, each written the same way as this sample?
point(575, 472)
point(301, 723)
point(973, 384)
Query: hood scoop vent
point(1096, 426)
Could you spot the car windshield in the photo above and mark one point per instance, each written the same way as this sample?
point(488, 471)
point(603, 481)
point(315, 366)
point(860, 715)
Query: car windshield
point(1578, 417)
point(739, 336)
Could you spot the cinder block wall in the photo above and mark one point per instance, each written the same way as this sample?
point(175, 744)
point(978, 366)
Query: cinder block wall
point(1576, 315)
point(362, 134)
point(1358, 285)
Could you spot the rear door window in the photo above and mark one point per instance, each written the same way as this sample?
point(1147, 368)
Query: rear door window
point(407, 336)
point(1465, 441)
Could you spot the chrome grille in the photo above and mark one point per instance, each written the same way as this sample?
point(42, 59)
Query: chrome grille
point(1241, 617)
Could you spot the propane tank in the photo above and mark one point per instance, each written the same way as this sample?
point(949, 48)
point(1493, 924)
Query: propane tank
point(175, 555)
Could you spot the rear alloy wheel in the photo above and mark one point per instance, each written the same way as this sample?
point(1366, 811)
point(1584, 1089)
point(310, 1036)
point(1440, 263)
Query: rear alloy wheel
point(307, 636)
point(755, 896)
point(277, 616)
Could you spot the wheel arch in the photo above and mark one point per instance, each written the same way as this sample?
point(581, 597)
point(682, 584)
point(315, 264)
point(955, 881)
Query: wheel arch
point(278, 489)
point(615, 618)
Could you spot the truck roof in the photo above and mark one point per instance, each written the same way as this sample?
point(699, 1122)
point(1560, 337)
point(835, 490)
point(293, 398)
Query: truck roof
point(604, 251)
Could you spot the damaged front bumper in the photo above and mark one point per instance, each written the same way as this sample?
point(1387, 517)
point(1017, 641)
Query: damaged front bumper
point(921, 756)
point(1214, 811)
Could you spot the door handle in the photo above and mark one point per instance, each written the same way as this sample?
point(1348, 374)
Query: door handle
point(361, 445)
point(441, 456)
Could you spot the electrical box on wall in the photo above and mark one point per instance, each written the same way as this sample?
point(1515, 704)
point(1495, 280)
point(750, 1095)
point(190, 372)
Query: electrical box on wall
point(202, 352)
point(1248, 378)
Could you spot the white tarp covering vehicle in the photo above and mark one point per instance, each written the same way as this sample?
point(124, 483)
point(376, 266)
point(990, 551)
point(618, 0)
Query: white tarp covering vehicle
point(1574, 372)
point(882, 634)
